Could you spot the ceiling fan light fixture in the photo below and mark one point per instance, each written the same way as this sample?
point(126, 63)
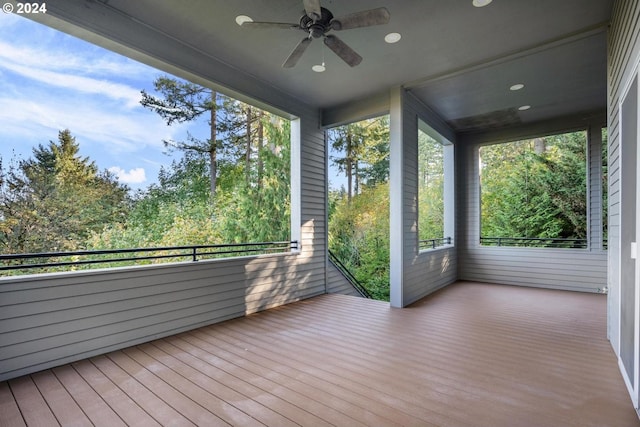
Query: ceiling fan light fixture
point(516, 86)
point(241, 19)
point(319, 68)
point(524, 107)
point(481, 3)
point(392, 38)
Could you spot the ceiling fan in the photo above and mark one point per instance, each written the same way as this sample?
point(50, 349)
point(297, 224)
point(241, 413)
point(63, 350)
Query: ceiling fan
point(318, 21)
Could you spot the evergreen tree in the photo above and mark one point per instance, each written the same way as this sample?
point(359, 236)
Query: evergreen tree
point(177, 210)
point(535, 188)
point(53, 201)
point(231, 123)
point(359, 215)
point(364, 152)
point(183, 101)
point(430, 188)
point(259, 210)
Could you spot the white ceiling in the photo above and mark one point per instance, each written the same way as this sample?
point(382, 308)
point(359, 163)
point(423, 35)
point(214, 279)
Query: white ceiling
point(458, 59)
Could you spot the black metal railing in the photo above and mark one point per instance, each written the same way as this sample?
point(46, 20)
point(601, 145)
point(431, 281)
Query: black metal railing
point(59, 261)
point(349, 276)
point(433, 243)
point(534, 242)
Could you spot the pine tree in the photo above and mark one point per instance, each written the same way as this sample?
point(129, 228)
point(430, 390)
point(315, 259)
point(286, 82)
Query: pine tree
point(181, 102)
point(364, 152)
point(54, 200)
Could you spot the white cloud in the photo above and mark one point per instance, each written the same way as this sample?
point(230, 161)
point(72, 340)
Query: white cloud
point(134, 176)
point(50, 53)
point(54, 59)
point(89, 85)
point(117, 131)
point(51, 81)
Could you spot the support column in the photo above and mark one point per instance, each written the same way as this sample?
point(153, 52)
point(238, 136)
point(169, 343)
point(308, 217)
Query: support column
point(594, 189)
point(396, 208)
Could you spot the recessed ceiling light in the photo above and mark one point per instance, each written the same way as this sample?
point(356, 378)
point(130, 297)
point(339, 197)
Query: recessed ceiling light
point(517, 86)
point(524, 107)
point(392, 37)
point(241, 19)
point(481, 3)
point(318, 68)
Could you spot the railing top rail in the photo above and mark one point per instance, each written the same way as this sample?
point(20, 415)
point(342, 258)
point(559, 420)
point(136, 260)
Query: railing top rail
point(153, 253)
point(558, 242)
point(434, 243)
point(534, 238)
point(147, 249)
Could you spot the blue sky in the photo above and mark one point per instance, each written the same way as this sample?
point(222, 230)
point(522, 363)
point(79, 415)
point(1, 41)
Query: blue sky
point(50, 81)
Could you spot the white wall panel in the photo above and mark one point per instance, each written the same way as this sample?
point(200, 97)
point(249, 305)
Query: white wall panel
point(422, 272)
point(624, 51)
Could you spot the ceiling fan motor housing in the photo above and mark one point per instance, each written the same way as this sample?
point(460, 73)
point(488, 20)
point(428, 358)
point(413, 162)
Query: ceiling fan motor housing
point(319, 27)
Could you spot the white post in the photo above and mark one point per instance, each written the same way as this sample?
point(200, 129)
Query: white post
point(296, 184)
point(396, 208)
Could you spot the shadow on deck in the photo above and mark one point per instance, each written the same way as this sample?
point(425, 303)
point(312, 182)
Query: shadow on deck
point(470, 355)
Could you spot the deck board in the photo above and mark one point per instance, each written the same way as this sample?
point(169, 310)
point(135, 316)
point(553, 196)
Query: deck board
point(65, 409)
point(138, 388)
point(470, 355)
point(32, 404)
point(113, 396)
point(92, 403)
point(9, 411)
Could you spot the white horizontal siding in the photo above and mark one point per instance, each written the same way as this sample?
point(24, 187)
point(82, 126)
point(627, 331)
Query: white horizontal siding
point(438, 265)
point(594, 189)
point(426, 271)
point(46, 320)
point(549, 268)
point(623, 53)
point(577, 270)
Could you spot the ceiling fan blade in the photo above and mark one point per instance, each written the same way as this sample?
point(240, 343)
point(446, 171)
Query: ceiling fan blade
point(341, 49)
point(284, 25)
point(293, 58)
point(366, 18)
point(312, 9)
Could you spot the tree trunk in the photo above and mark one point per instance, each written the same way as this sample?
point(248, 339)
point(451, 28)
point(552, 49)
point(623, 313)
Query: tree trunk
point(248, 151)
point(348, 168)
point(356, 188)
point(260, 147)
point(213, 161)
point(539, 146)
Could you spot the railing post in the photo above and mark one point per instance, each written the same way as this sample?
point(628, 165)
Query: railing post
point(195, 254)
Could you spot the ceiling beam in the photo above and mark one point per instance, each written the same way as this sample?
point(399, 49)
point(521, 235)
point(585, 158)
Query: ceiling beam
point(354, 111)
point(520, 53)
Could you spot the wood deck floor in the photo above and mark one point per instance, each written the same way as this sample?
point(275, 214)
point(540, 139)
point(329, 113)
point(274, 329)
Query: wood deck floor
point(470, 355)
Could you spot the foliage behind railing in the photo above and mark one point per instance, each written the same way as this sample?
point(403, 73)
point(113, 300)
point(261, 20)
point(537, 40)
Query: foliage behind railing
point(534, 242)
point(362, 290)
point(13, 264)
